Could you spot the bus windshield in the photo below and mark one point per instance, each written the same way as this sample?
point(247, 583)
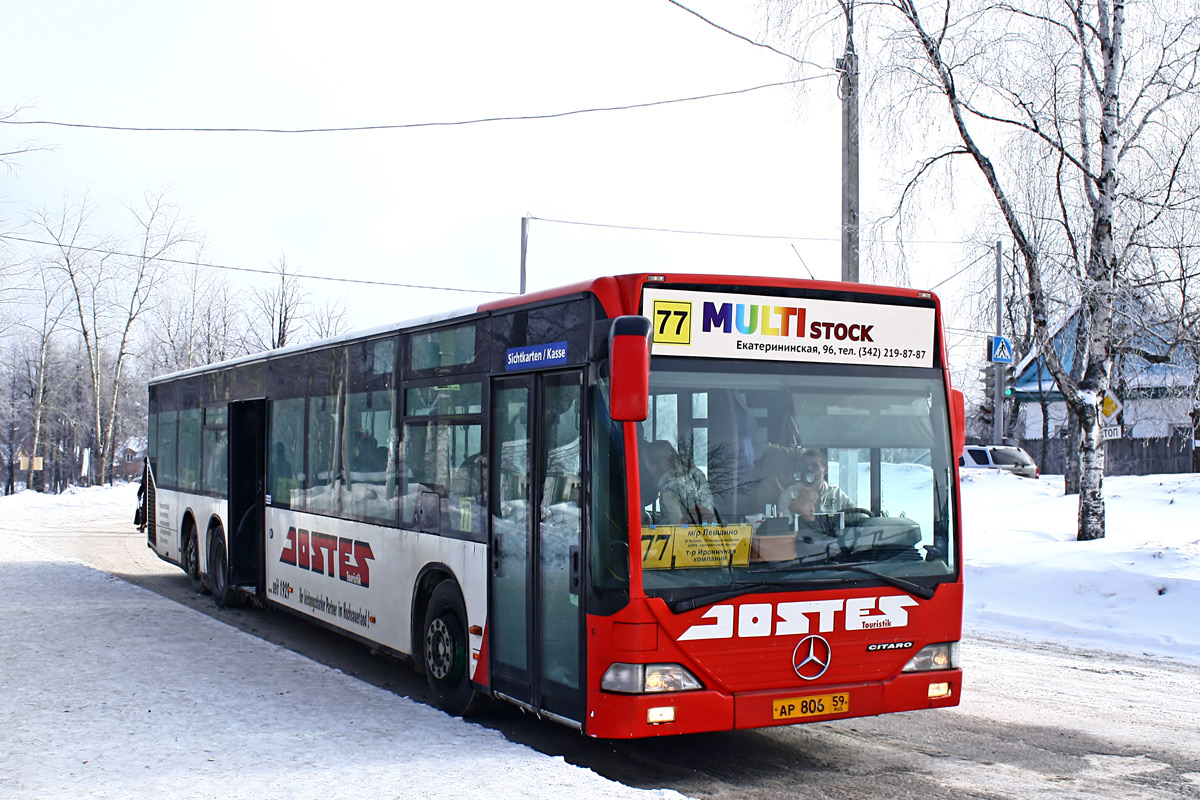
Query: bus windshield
point(755, 475)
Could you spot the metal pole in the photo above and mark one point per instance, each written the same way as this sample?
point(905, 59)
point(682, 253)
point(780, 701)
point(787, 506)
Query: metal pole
point(998, 390)
point(848, 65)
point(524, 248)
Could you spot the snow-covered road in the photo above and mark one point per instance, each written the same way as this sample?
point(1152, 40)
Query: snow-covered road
point(114, 691)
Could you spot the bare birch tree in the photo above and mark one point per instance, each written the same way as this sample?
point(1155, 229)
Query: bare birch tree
point(110, 292)
point(330, 319)
point(54, 309)
point(279, 310)
point(1109, 107)
point(198, 320)
point(10, 152)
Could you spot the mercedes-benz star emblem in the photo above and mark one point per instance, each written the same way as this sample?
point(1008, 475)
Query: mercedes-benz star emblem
point(811, 657)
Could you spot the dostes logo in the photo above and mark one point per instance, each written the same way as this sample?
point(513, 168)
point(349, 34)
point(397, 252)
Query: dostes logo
point(787, 619)
point(342, 558)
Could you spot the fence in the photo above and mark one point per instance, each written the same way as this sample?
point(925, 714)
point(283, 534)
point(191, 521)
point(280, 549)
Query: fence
point(1125, 456)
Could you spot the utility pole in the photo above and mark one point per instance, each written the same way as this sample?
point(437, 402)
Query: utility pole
point(998, 391)
point(847, 66)
point(524, 249)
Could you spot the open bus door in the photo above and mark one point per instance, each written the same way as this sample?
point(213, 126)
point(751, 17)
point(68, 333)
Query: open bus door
point(247, 492)
point(535, 611)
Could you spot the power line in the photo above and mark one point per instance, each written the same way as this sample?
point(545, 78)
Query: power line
point(402, 126)
point(745, 39)
point(971, 331)
point(273, 273)
point(961, 271)
point(733, 235)
point(687, 232)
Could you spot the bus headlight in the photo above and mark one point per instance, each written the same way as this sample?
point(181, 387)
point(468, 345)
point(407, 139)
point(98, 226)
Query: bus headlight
point(934, 656)
point(648, 679)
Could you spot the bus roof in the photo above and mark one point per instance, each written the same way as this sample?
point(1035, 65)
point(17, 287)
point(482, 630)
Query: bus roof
point(615, 292)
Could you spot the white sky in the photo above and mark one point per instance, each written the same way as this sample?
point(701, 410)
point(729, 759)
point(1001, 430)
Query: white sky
point(442, 206)
point(113, 707)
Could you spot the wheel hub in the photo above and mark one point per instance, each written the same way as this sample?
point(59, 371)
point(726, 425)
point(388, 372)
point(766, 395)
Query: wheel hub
point(439, 649)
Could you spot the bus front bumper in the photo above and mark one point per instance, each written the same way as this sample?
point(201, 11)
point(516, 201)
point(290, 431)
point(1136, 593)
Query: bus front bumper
point(627, 716)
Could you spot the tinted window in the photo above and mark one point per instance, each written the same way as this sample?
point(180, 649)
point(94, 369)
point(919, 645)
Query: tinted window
point(455, 398)
point(1011, 458)
point(285, 453)
point(442, 485)
point(609, 562)
point(188, 477)
point(369, 490)
point(448, 347)
point(152, 437)
point(567, 325)
point(978, 455)
point(167, 435)
point(216, 451)
point(321, 494)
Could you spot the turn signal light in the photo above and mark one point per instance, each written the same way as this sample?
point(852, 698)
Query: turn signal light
point(660, 714)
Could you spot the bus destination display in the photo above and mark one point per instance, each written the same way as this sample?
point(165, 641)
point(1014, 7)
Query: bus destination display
point(763, 327)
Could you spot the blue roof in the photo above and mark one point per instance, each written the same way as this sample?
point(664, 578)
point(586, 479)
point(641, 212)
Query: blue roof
point(1138, 375)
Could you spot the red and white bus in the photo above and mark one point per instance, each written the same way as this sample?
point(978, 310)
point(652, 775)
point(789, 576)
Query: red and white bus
point(495, 495)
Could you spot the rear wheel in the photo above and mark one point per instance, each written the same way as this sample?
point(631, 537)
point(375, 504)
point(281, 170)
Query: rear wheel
point(191, 559)
point(223, 594)
point(448, 651)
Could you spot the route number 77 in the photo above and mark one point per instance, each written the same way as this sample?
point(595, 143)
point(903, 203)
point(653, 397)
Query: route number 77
point(672, 322)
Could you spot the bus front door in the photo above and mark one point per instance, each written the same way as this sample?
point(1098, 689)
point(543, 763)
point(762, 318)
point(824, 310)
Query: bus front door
point(536, 619)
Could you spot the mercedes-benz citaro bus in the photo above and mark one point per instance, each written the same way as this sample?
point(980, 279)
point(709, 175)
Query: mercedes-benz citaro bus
point(641, 505)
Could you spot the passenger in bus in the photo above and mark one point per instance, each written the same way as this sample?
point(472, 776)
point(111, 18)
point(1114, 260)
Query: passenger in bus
point(368, 455)
point(676, 488)
point(279, 462)
point(773, 474)
point(813, 474)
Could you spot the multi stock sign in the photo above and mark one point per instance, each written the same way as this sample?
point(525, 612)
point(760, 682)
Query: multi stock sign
point(764, 327)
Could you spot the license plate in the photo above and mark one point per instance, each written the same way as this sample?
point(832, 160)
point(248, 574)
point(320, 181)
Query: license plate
point(814, 706)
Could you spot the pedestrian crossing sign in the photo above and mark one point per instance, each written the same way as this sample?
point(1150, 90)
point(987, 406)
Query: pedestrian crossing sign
point(1000, 351)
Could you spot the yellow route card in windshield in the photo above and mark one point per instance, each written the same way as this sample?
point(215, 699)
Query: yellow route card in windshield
point(682, 546)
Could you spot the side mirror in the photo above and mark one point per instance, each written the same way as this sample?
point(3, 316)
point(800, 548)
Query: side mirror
point(629, 368)
point(958, 423)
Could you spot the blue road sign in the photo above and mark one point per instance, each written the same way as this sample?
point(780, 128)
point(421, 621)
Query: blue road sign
point(1000, 350)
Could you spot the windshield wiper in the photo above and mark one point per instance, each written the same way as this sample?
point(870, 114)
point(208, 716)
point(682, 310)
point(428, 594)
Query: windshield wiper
point(744, 587)
point(924, 592)
point(749, 587)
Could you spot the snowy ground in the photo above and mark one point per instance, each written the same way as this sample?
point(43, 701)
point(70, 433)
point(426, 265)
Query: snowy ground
point(105, 695)
point(1136, 590)
point(109, 693)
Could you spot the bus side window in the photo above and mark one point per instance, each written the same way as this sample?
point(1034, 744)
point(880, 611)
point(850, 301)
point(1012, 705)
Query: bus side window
point(444, 459)
point(285, 453)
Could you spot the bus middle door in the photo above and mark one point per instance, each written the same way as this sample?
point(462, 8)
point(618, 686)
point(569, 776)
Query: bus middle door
point(535, 619)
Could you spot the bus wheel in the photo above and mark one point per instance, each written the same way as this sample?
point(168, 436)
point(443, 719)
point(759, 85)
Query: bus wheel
point(223, 594)
point(191, 560)
point(447, 651)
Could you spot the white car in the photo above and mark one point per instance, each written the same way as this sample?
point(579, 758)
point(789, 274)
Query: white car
point(998, 456)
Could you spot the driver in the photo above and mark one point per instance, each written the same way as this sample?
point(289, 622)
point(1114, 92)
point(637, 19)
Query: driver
point(814, 469)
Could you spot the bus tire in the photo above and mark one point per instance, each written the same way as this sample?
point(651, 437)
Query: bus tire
point(223, 594)
point(191, 559)
point(448, 651)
